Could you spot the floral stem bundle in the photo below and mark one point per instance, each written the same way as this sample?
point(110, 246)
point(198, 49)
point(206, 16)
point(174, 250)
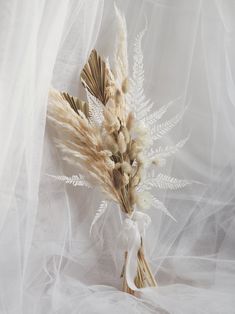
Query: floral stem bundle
point(110, 139)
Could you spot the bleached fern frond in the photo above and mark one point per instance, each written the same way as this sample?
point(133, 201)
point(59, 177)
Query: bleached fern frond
point(164, 152)
point(95, 108)
point(143, 113)
point(100, 211)
point(165, 127)
point(158, 114)
point(136, 95)
point(121, 59)
point(159, 205)
point(162, 181)
point(74, 180)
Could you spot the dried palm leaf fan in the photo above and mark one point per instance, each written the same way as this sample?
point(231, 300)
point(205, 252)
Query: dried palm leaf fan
point(111, 143)
point(76, 104)
point(96, 77)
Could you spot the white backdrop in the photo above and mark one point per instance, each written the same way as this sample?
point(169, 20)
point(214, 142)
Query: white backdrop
point(48, 262)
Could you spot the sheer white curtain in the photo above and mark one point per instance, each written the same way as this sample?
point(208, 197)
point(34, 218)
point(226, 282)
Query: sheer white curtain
point(32, 33)
point(48, 262)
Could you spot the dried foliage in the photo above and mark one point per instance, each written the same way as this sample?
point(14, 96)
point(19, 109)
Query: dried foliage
point(96, 77)
point(110, 138)
point(77, 104)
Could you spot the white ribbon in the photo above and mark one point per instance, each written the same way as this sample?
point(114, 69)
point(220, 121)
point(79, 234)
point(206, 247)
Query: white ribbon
point(133, 229)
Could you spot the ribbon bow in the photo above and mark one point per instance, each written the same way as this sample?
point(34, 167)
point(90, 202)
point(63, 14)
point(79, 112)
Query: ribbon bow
point(133, 229)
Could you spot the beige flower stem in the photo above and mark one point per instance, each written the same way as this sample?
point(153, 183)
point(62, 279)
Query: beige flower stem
point(144, 276)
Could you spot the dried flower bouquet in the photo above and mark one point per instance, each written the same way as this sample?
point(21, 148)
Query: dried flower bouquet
point(110, 138)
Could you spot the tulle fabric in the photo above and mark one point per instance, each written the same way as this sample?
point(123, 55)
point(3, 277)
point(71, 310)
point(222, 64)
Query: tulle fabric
point(48, 261)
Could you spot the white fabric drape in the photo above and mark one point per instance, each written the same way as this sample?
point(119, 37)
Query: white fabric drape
point(48, 261)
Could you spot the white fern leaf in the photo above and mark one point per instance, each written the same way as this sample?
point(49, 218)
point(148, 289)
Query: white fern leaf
point(159, 205)
point(165, 127)
point(162, 181)
point(158, 114)
point(164, 152)
point(143, 113)
point(74, 180)
point(95, 107)
point(100, 211)
point(136, 95)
